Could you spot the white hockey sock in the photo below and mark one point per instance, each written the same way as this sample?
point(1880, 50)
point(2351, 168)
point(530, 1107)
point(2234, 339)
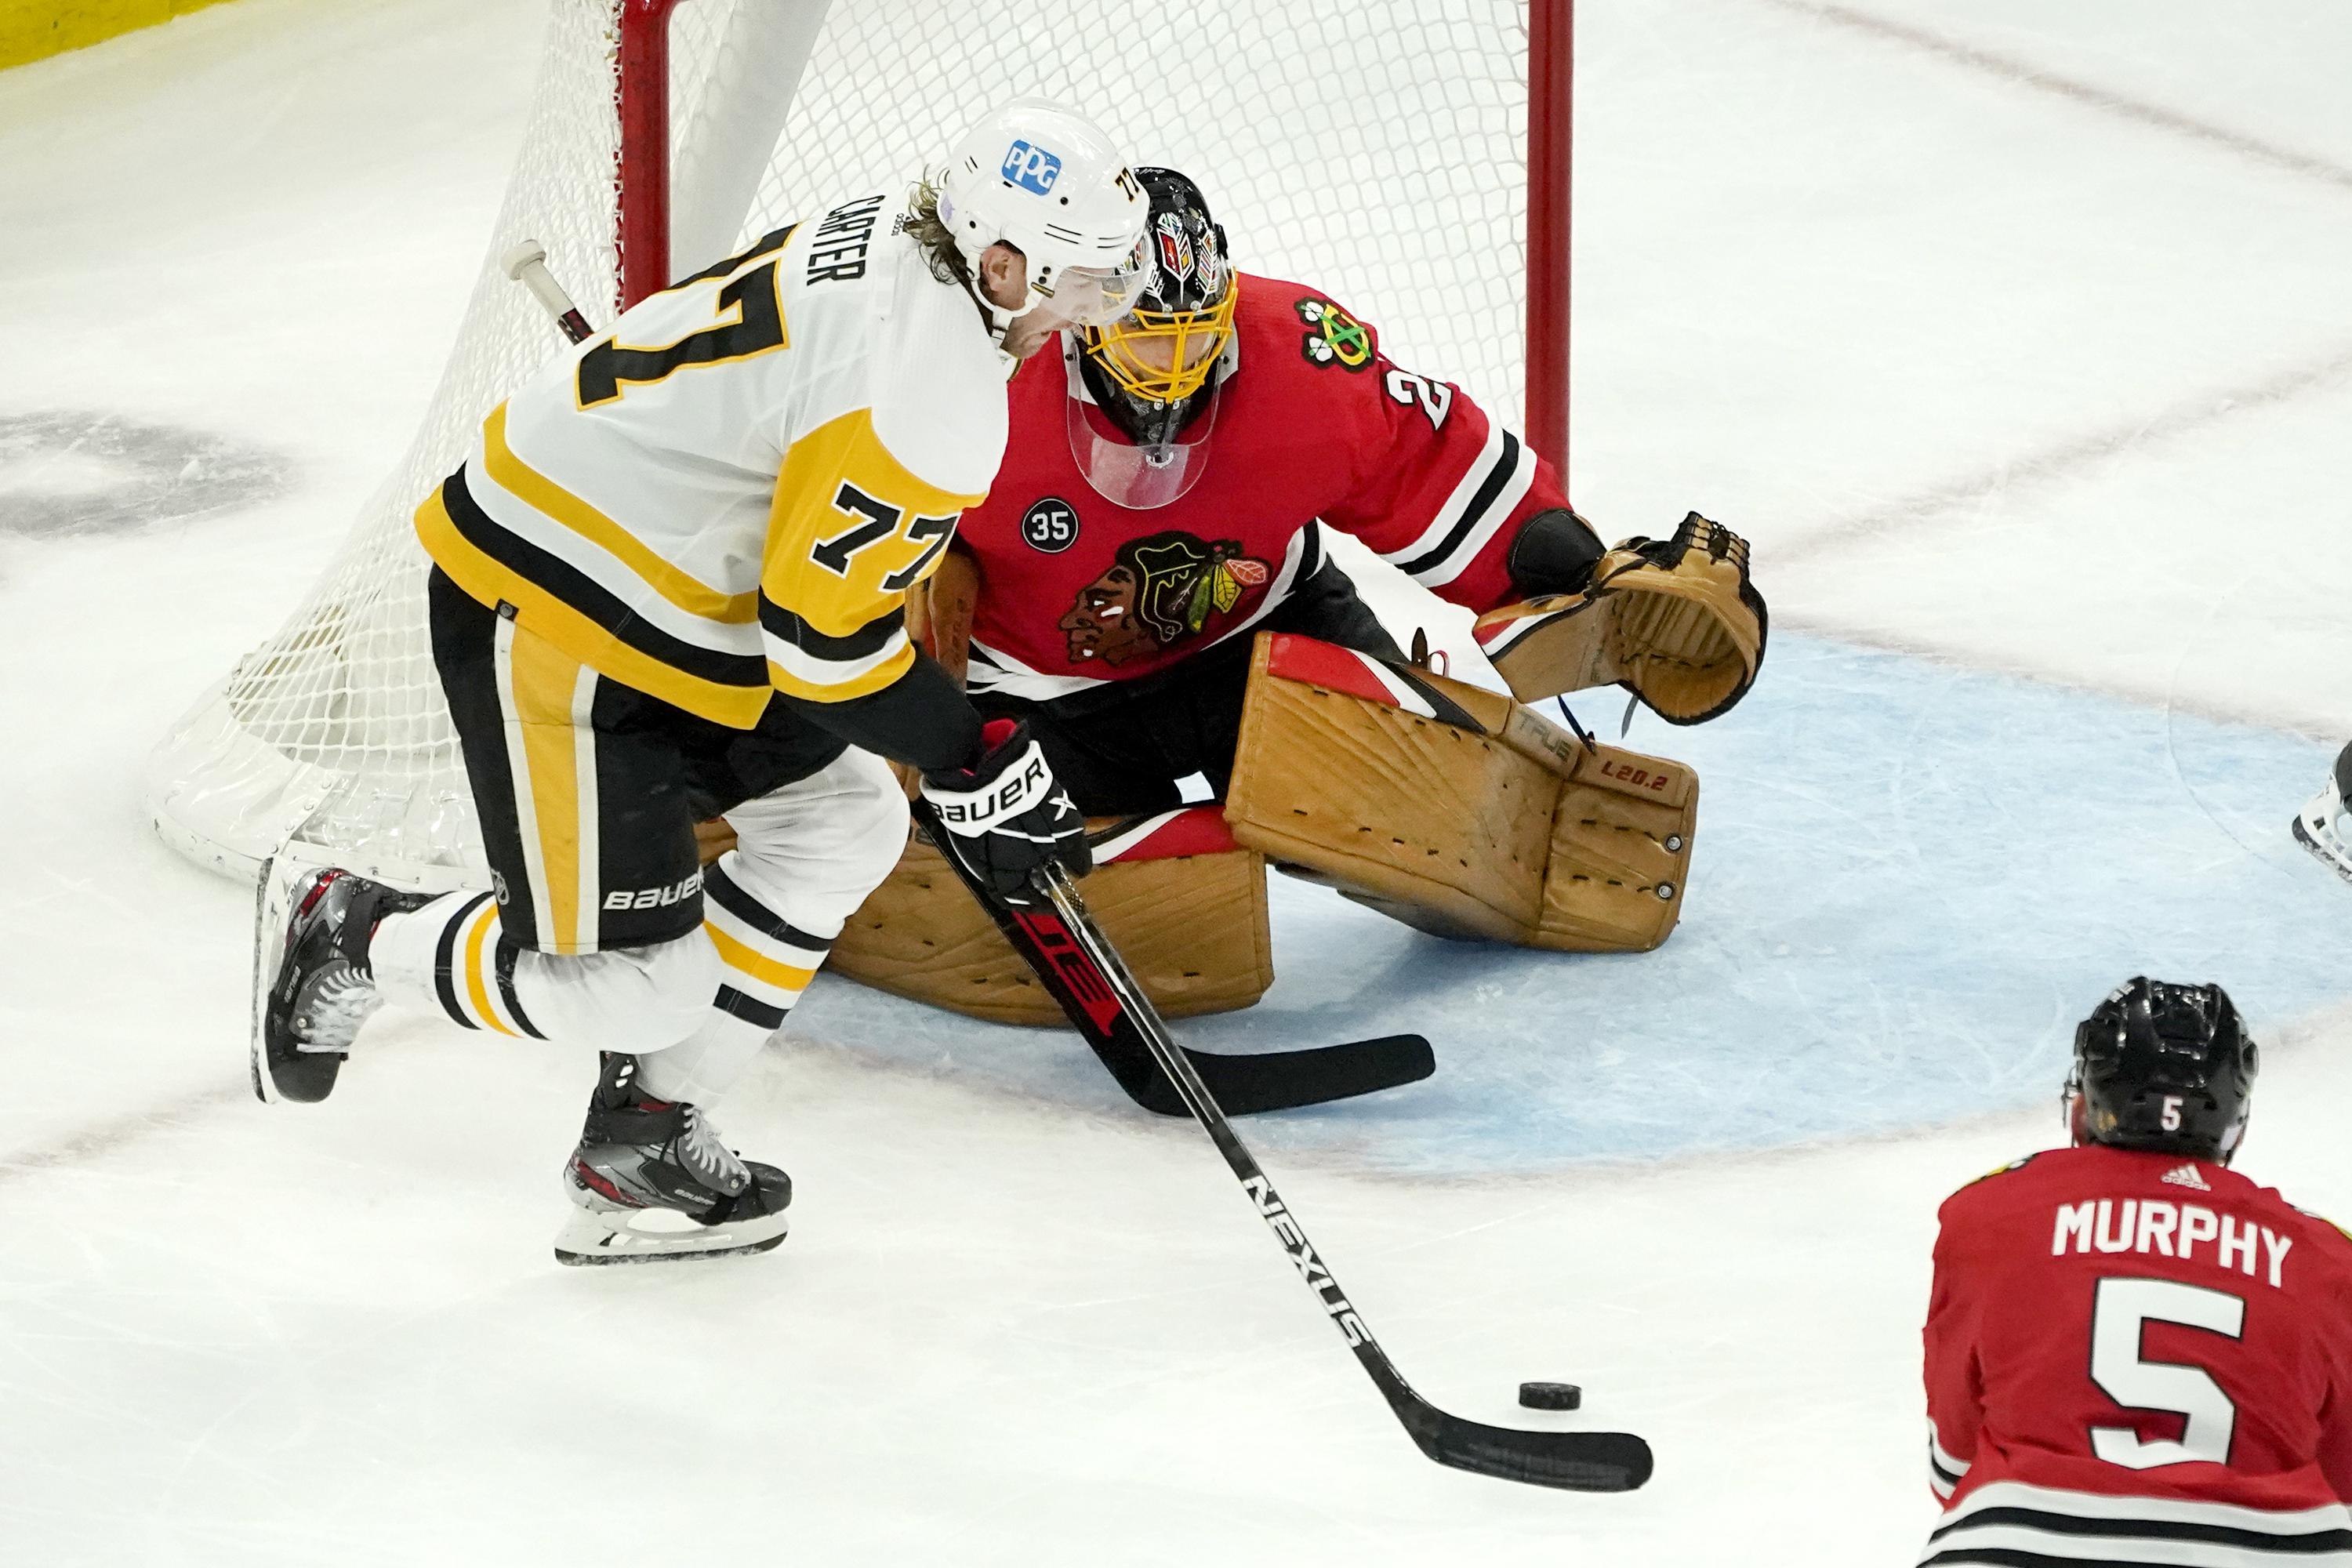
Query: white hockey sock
point(700, 1069)
point(450, 957)
point(766, 962)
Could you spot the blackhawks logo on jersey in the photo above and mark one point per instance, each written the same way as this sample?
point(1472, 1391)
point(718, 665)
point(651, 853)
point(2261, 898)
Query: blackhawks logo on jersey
point(1159, 591)
point(1333, 336)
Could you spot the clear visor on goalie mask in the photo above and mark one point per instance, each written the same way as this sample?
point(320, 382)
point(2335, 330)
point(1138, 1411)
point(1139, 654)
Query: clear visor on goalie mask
point(1095, 295)
point(1139, 477)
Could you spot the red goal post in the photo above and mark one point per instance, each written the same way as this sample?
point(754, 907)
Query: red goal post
point(643, 92)
point(1410, 156)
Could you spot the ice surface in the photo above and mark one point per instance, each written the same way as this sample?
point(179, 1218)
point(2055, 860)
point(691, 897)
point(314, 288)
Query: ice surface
point(1979, 857)
point(2014, 338)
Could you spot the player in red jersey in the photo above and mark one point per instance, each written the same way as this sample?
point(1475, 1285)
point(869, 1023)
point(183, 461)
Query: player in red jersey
point(1167, 490)
point(2134, 1354)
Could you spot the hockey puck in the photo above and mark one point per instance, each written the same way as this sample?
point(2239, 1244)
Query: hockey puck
point(1550, 1395)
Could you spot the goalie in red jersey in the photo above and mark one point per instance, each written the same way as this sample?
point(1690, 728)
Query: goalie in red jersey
point(1206, 471)
point(1173, 485)
point(2135, 1354)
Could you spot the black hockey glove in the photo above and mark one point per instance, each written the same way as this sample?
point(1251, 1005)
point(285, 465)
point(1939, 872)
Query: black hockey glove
point(1553, 553)
point(1006, 814)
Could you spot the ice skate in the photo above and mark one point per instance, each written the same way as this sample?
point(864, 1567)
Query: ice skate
point(312, 953)
point(652, 1182)
point(2320, 825)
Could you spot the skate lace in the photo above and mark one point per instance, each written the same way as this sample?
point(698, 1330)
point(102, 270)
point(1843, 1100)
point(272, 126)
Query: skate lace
point(707, 1159)
point(339, 1000)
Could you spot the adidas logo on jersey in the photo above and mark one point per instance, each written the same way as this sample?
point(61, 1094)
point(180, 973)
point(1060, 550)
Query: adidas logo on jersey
point(2187, 1175)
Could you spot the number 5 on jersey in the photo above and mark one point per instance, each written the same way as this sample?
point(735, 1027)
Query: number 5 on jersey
point(2122, 1311)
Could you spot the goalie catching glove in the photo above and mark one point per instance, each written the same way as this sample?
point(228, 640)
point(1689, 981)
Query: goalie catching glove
point(1675, 622)
point(1006, 814)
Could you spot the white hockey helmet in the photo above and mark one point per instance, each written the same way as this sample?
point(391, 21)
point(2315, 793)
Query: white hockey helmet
point(1046, 179)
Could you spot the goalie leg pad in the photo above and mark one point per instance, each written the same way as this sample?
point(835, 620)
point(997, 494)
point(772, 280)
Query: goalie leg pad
point(1436, 804)
point(1620, 845)
point(1191, 927)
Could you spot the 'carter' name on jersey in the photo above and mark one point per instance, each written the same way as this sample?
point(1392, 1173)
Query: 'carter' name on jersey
point(2151, 1226)
point(837, 250)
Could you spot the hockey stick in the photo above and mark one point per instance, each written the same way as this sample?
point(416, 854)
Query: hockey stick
point(525, 263)
point(1091, 999)
point(1274, 1081)
point(1574, 1461)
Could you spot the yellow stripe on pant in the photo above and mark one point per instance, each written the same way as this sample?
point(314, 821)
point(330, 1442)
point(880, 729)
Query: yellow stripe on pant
point(545, 696)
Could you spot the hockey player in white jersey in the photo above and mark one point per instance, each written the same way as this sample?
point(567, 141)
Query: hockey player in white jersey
point(669, 583)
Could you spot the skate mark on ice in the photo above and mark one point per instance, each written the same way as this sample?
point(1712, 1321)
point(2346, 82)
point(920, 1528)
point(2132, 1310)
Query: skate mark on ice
point(116, 1133)
point(2061, 460)
point(2261, 841)
point(2025, 73)
point(65, 473)
point(2157, 695)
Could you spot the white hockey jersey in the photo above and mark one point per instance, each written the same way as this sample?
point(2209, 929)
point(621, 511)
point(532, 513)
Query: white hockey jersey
point(731, 491)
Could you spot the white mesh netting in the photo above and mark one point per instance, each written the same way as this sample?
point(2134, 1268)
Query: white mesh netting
point(1373, 148)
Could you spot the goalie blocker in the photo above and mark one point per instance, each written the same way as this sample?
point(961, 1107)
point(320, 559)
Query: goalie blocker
point(1446, 807)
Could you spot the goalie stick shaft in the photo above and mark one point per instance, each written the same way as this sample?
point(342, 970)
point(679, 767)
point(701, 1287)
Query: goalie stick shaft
point(1272, 1080)
point(1573, 1461)
point(1091, 999)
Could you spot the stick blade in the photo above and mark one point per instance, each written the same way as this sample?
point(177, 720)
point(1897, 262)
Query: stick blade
point(1245, 1085)
point(1570, 1461)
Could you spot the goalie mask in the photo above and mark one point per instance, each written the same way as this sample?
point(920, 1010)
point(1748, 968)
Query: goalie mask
point(1143, 390)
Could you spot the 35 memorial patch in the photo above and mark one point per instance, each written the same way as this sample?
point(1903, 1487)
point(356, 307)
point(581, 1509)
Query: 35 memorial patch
point(1333, 336)
point(1051, 525)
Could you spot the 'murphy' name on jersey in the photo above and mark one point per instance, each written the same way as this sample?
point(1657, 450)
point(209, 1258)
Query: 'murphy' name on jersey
point(2151, 1226)
point(837, 250)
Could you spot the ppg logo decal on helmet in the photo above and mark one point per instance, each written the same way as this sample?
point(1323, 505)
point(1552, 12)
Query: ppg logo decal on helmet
point(1083, 245)
point(1031, 168)
point(1051, 525)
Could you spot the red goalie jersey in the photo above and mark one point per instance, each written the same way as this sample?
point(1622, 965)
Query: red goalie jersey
point(1313, 422)
point(2132, 1357)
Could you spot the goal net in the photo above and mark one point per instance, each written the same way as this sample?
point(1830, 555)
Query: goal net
point(1375, 149)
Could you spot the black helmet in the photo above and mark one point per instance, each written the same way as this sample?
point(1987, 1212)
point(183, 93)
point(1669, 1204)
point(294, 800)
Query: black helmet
point(2167, 1067)
point(1186, 311)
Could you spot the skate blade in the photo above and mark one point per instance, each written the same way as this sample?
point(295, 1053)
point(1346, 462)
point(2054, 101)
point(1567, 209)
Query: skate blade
point(660, 1236)
point(266, 959)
